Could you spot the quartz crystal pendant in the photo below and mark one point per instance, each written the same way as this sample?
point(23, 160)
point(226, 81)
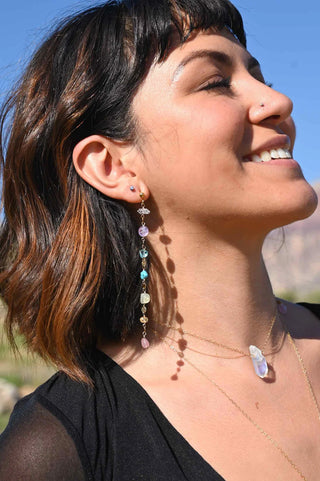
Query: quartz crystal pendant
point(259, 361)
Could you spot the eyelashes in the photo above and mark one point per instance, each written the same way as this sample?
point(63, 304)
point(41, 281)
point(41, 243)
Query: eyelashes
point(224, 83)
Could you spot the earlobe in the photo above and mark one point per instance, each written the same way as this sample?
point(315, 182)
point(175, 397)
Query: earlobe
point(98, 161)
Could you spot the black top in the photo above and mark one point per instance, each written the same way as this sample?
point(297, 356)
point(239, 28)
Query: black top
point(65, 431)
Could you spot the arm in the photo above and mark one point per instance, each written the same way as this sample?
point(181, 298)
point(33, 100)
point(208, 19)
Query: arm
point(37, 446)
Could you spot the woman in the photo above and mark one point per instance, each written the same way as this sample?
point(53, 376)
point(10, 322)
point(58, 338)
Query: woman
point(156, 107)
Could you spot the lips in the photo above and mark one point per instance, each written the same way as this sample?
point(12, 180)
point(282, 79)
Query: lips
point(267, 155)
point(277, 147)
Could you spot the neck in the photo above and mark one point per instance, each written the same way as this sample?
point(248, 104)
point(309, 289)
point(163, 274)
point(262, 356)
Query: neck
point(215, 288)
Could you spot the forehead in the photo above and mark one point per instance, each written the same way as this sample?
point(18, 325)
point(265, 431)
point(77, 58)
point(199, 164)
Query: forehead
point(201, 46)
point(162, 77)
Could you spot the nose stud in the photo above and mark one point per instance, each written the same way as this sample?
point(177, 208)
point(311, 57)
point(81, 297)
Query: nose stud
point(261, 104)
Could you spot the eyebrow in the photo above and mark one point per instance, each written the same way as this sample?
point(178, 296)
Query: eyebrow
point(220, 57)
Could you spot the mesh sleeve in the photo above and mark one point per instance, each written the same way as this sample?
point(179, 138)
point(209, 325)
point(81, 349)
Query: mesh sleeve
point(37, 447)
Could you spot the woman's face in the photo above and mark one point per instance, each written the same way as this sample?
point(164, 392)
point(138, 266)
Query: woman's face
point(205, 116)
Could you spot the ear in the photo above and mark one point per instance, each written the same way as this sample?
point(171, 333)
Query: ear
point(108, 166)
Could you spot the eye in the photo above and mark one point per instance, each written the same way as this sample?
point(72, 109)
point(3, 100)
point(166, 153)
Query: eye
point(224, 83)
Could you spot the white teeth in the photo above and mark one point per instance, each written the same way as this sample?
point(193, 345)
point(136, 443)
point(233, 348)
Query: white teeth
point(267, 155)
point(256, 158)
point(274, 154)
point(285, 154)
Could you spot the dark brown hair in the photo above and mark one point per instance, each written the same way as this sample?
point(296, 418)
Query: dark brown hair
point(69, 264)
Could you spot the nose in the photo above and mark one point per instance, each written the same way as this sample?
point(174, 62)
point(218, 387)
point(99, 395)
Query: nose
point(267, 105)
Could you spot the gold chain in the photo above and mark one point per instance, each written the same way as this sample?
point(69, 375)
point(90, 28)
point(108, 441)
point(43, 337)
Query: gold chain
point(246, 415)
point(305, 373)
point(219, 344)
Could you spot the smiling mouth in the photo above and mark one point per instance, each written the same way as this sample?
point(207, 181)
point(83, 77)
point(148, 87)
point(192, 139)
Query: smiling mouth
point(267, 155)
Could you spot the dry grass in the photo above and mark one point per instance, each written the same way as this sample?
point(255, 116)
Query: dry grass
point(4, 418)
point(22, 369)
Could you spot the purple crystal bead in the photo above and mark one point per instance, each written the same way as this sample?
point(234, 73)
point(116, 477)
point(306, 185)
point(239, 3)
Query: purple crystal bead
point(282, 308)
point(145, 343)
point(143, 231)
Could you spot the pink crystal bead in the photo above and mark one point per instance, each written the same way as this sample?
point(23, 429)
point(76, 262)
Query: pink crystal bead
point(143, 231)
point(145, 343)
point(282, 308)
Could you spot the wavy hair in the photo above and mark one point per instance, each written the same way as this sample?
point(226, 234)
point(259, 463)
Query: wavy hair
point(68, 260)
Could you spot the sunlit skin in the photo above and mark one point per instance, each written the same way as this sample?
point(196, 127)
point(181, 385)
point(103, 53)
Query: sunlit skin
point(196, 138)
point(215, 208)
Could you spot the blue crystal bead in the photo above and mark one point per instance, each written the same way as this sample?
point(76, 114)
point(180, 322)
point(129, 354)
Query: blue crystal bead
point(143, 253)
point(259, 361)
point(144, 274)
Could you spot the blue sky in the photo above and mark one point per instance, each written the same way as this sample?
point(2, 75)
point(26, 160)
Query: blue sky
point(282, 34)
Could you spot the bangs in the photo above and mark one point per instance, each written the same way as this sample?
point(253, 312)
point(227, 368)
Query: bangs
point(154, 22)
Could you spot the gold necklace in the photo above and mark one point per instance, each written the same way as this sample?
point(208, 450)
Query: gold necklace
point(219, 344)
point(257, 355)
point(245, 414)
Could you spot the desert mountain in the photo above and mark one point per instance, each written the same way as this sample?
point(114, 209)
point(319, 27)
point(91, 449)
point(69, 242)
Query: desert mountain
point(292, 255)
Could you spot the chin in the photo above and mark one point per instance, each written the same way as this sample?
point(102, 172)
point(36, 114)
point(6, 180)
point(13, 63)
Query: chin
point(298, 205)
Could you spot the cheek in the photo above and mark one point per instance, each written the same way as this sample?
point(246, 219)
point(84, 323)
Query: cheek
point(205, 129)
point(217, 131)
point(195, 142)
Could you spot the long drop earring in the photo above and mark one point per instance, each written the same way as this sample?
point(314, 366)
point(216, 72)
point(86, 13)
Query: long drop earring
point(143, 254)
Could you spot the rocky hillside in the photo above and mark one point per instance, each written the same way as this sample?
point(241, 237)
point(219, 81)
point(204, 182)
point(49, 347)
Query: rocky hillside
point(292, 255)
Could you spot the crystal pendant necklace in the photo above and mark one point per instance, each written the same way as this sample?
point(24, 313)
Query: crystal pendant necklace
point(282, 309)
point(257, 356)
point(259, 362)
